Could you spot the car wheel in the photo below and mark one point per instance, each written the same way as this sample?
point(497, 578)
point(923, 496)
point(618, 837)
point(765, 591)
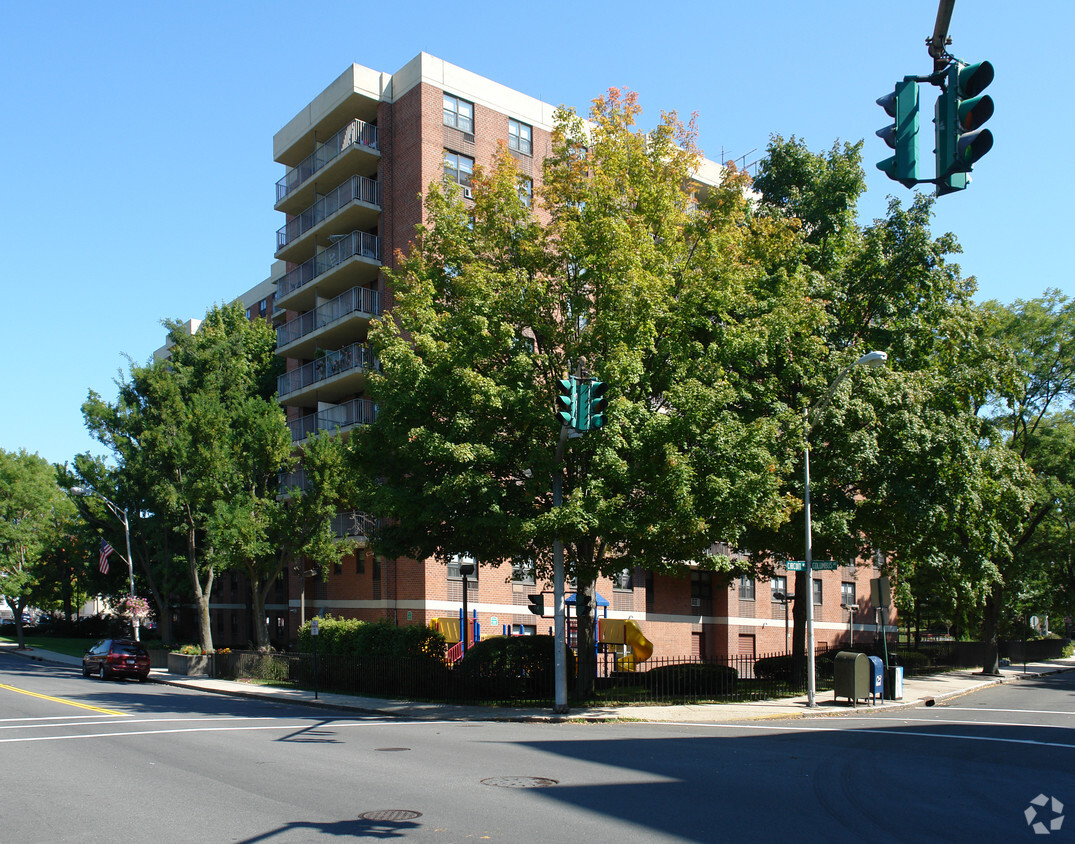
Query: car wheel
point(101, 675)
point(85, 670)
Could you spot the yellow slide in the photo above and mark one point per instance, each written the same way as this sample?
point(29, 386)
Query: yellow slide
point(641, 647)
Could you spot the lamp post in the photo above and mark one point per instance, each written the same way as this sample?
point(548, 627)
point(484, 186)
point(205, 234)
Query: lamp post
point(466, 568)
point(871, 359)
point(784, 599)
point(851, 609)
point(121, 514)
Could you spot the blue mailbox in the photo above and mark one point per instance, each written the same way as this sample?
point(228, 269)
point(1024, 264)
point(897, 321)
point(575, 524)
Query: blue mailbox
point(877, 678)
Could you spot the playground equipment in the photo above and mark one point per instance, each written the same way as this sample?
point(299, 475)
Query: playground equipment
point(616, 631)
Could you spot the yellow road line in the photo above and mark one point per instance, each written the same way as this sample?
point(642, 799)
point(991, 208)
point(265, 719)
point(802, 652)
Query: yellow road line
point(61, 700)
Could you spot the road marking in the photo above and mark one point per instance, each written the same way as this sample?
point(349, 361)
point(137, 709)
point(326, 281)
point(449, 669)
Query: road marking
point(62, 700)
point(899, 733)
point(1028, 711)
point(291, 726)
point(67, 723)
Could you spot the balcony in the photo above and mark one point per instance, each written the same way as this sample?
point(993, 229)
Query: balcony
point(355, 204)
point(352, 524)
point(352, 261)
point(339, 418)
point(328, 378)
point(329, 324)
point(356, 143)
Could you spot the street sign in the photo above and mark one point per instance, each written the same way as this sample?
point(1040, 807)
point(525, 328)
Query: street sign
point(314, 627)
point(816, 565)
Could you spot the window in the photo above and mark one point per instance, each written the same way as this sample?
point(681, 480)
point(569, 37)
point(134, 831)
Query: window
point(524, 630)
point(746, 587)
point(459, 113)
point(519, 137)
point(453, 569)
point(360, 562)
point(701, 587)
point(650, 595)
point(622, 580)
point(458, 168)
point(337, 568)
point(817, 592)
point(847, 594)
point(779, 585)
point(526, 191)
point(522, 571)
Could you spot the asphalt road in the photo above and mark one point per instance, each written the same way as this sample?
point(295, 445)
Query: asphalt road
point(82, 760)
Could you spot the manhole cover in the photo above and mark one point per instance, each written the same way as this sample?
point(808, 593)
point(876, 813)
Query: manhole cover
point(390, 815)
point(390, 749)
point(520, 782)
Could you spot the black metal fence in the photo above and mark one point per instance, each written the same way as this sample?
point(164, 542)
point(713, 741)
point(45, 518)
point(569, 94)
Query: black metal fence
point(658, 680)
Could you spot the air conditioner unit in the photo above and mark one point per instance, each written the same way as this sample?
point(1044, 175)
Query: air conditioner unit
point(468, 193)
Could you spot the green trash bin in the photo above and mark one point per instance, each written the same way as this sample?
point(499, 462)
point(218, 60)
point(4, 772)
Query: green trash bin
point(851, 677)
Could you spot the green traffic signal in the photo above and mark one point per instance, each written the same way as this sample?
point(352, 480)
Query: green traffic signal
point(582, 405)
point(902, 134)
point(598, 403)
point(960, 112)
point(566, 401)
point(536, 603)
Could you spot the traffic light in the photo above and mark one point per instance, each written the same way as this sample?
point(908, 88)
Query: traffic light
point(596, 405)
point(567, 402)
point(582, 405)
point(537, 603)
point(961, 110)
point(902, 135)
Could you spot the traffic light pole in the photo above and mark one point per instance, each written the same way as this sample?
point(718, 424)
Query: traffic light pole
point(559, 625)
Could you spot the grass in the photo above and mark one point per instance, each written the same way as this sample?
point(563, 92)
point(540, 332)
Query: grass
point(56, 644)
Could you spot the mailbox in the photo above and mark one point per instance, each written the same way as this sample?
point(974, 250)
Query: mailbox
point(851, 675)
point(877, 678)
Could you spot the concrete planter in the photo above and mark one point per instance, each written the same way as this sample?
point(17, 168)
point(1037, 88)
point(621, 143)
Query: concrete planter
point(193, 665)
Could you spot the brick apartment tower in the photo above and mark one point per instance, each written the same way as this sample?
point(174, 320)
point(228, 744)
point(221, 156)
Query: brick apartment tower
point(358, 160)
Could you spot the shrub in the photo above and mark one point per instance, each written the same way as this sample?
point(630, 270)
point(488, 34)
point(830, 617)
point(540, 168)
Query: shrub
point(351, 637)
point(507, 667)
point(695, 679)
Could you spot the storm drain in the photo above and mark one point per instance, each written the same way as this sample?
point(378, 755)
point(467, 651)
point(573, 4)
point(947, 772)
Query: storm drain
point(520, 782)
point(390, 815)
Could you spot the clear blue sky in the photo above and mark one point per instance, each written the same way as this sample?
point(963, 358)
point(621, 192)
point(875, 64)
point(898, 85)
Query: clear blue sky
point(136, 139)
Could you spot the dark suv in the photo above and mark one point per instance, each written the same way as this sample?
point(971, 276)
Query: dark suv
point(116, 658)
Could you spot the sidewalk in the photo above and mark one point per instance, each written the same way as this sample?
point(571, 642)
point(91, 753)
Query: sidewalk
point(916, 692)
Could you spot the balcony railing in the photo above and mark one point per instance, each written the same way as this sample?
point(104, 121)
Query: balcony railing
point(355, 356)
point(357, 132)
point(352, 523)
point(355, 243)
point(346, 415)
point(357, 188)
point(361, 300)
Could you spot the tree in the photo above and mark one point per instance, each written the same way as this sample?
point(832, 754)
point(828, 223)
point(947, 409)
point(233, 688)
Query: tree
point(672, 293)
point(32, 508)
point(200, 435)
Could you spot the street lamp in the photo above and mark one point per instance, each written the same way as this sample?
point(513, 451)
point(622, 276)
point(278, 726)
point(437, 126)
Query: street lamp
point(121, 514)
point(871, 359)
point(852, 609)
point(785, 600)
point(466, 568)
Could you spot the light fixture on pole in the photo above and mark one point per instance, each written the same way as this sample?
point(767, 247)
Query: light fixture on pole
point(784, 599)
point(466, 568)
point(851, 609)
point(121, 514)
point(810, 415)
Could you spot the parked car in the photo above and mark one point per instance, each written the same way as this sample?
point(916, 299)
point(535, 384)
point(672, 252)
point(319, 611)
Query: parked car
point(116, 658)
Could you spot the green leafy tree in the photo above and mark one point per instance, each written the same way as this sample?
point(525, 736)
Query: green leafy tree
point(676, 295)
point(196, 436)
point(32, 513)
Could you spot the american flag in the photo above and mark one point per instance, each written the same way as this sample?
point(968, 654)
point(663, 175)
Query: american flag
point(106, 550)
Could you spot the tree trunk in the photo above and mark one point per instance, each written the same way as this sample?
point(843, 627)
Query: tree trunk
point(990, 629)
point(798, 636)
point(586, 657)
point(261, 630)
point(201, 594)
